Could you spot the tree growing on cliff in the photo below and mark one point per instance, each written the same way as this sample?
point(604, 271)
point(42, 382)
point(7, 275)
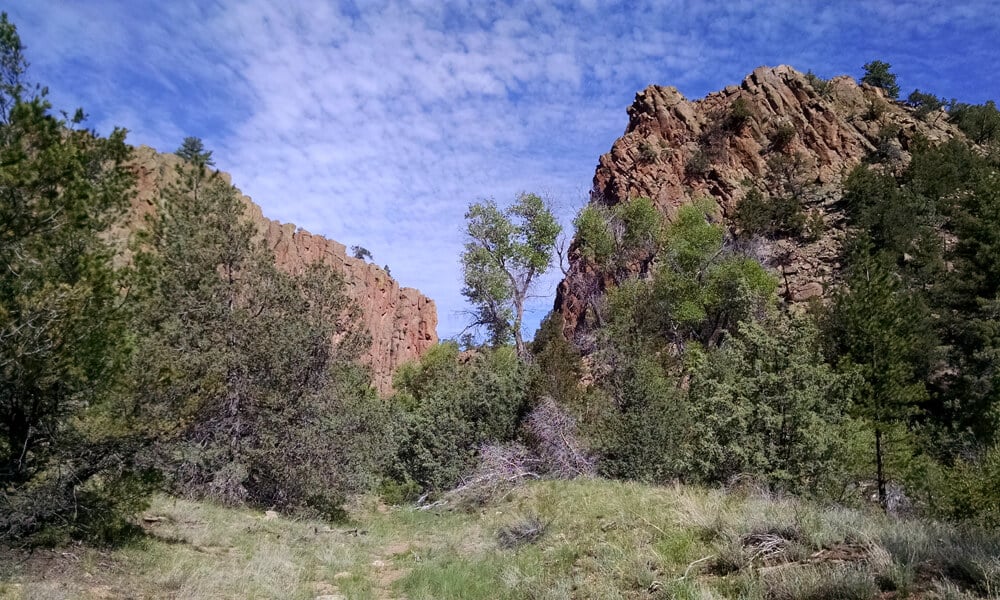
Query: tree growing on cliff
point(505, 253)
point(877, 74)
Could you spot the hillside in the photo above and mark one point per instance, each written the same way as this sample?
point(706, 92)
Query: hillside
point(780, 132)
point(402, 322)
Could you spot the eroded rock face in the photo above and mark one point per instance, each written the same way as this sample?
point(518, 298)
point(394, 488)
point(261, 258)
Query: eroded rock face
point(777, 129)
point(402, 322)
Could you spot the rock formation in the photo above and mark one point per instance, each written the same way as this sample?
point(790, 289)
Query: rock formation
point(779, 129)
point(402, 322)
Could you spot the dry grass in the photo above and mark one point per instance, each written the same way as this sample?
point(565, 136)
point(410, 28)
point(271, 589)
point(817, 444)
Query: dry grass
point(601, 539)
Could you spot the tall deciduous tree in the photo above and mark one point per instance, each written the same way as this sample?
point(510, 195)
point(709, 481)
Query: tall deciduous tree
point(506, 252)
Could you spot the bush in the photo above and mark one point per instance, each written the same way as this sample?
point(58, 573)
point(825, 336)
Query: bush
point(757, 214)
point(822, 86)
point(766, 405)
point(782, 136)
point(448, 409)
point(648, 151)
point(698, 165)
point(740, 113)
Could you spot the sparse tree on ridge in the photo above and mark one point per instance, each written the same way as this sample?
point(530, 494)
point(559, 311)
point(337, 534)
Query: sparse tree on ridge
point(361, 253)
point(877, 74)
point(506, 252)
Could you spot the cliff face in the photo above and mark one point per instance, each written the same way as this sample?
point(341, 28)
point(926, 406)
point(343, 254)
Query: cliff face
point(780, 132)
point(402, 322)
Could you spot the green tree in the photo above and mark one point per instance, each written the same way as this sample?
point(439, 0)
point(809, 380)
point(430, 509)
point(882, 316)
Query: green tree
point(767, 404)
point(361, 253)
point(882, 338)
point(701, 287)
point(506, 252)
point(877, 74)
point(256, 367)
point(63, 448)
point(619, 239)
point(980, 122)
point(449, 408)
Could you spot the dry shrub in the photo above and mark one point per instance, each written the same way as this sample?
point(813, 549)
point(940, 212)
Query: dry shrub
point(553, 434)
point(501, 467)
point(523, 531)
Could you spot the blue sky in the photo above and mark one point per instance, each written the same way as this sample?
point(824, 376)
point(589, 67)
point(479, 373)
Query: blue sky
point(377, 123)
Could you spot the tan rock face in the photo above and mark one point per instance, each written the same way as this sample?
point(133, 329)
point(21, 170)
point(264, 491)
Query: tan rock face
point(675, 151)
point(402, 322)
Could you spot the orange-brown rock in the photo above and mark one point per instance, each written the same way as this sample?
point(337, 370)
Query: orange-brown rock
point(402, 322)
point(676, 150)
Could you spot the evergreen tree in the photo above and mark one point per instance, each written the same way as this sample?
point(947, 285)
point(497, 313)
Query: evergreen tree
point(63, 446)
point(766, 404)
point(257, 367)
point(882, 337)
point(877, 74)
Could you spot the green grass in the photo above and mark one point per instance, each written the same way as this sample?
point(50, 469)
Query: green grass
point(600, 539)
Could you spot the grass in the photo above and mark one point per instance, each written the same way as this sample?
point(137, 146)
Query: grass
point(548, 540)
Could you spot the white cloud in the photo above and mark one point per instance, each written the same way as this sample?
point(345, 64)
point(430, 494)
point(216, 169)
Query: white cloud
point(378, 126)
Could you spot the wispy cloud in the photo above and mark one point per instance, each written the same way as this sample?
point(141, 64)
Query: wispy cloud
point(377, 123)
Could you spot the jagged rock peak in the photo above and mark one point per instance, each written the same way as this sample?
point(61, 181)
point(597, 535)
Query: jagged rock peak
point(402, 321)
point(777, 128)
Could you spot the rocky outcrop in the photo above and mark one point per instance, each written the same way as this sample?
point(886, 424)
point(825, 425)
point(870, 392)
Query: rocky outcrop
point(402, 322)
point(780, 131)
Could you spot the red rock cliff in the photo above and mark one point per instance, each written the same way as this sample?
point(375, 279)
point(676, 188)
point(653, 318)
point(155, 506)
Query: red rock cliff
point(402, 321)
point(676, 150)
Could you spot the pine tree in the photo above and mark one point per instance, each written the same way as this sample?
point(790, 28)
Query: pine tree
point(257, 367)
point(882, 337)
point(62, 343)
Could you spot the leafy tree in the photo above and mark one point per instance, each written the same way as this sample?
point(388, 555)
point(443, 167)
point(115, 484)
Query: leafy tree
point(64, 453)
point(361, 253)
point(506, 252)
point(877, 74)
point(256, 367)
point(621, 238)
point(701, 288)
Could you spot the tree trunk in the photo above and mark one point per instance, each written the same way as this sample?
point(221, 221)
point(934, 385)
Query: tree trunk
point(880, 471)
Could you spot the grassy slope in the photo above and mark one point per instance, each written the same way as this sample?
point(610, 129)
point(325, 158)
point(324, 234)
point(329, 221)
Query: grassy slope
point(602, 540)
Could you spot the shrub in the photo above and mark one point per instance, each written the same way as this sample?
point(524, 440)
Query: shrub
point(783, 136)
point(448, 409)
point(822, 86)
point(757, 214)
point(740, 113)
point(698, 165)
point(648, 151)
